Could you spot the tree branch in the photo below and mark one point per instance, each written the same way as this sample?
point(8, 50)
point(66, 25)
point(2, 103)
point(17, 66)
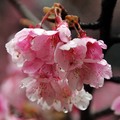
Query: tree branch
point(24, 11)
point(102, 113)
point(105, 28)
point(106, 19)
point(93, 26)
point(114, 80)
point(115, 40)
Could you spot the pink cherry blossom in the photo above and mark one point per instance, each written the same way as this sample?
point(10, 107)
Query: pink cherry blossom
point(90, 73)
point(46, 43)
point(116, 106)
point(63, 97)
point(94, 49)
point(28, 45)
point(32, 66)
point(76, 51)
point(81, 99)
point(100, 70)
point(18, 47)
point(70, 55)
point(10, 84)
point(55, 94)
point(82, 60)
point(64, 32)
point(40, 88)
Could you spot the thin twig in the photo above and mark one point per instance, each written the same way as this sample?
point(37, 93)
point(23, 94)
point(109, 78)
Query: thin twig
point(93, 26)
point(106, 19)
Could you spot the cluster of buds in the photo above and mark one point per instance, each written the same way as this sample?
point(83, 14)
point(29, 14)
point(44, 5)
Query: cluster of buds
point(58, 65)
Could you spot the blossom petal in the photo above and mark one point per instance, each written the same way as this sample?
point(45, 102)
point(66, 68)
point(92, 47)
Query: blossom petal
point(82, 99)
point(32, 66)
point(64, 33)
point(94, 73)
point(73, 79)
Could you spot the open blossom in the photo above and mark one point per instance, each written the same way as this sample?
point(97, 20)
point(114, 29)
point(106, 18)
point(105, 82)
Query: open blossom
point(26, 48)
point(82, 60)
point(116, 106)
point(77, 51)
point(55, 94)
point(64, 32)
point(32, 48)
point(10, 84)
point(90, 73)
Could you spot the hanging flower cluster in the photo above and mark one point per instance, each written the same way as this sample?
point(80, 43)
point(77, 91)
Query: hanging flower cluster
point(58, 65)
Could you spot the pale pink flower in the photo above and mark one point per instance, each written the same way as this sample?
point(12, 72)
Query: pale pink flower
point(12, 84)
point(94, 73)
point(82, 60)
point(63, 97)
point(116, 106)
point(81, 99)
point(18, 47)
point(55, 94)
point(76, 51)
point(44, 46)
point(32, 66)
point(39, 88)
point(31, 48)
point(90, 73)
point(69, 56)
point(64, 32)
point(42, 84)
point(94, 49)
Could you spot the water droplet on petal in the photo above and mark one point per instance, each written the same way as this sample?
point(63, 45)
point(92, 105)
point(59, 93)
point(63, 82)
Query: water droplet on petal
point(65, 111)
point(22, 85)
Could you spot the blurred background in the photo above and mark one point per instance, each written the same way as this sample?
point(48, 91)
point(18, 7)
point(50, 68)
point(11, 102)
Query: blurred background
point(88, 11)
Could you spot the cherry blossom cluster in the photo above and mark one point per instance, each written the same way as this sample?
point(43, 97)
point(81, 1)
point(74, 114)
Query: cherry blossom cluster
point(58, 66)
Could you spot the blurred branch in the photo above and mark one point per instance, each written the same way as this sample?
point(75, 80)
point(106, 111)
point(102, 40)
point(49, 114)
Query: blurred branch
point(104, 25)
point(106, 19)
point(24, 11)
point(102, 113)
point(114, 80)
